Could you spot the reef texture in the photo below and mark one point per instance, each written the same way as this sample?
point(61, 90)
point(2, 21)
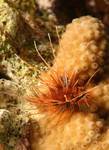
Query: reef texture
point(20, 66)
point(14, 123)
point(8, 24)
point(82, 49)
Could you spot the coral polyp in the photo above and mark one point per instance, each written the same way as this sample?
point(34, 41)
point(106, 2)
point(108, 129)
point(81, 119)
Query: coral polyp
point(62, 93)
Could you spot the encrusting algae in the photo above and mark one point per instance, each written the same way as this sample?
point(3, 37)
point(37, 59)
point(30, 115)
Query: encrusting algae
point(75, 90)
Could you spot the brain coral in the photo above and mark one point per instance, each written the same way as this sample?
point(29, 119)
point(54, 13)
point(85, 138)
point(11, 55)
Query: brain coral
point(60, 93)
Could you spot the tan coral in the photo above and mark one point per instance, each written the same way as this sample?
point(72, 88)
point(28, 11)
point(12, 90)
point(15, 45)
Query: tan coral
point(101, 94)
point(83, 46)
point(102, 143)
point(81, 130)
point(76, 54)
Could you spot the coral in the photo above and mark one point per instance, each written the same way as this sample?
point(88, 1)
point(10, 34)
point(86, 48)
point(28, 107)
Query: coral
point(101, 94)
point(81, 55)
point(78, 59)
point(79, 133)
point(83, 46)
point(75, 80)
